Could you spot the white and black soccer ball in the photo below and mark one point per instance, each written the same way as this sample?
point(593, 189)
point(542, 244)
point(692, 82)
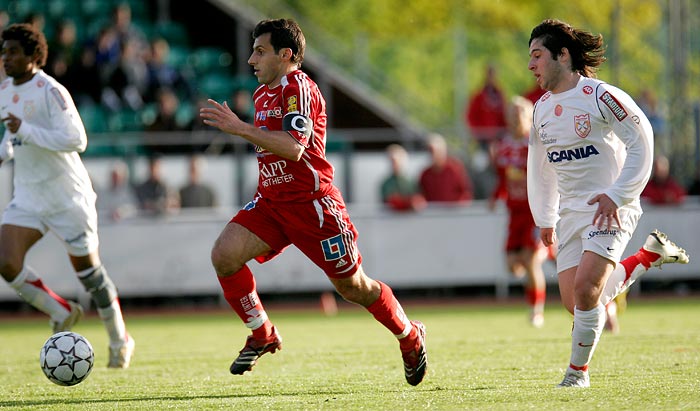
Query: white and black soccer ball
point(67, 358)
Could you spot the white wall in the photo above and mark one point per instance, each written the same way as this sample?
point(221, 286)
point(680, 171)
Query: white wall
point(169, 256)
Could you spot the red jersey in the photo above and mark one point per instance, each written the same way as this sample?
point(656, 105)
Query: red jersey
point(297, 107)
point(510, 159)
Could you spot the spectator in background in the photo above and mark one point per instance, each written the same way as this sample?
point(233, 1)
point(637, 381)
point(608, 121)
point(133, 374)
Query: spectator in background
point(399, 192)
point(36, 20)
point(125, 29)
point(485, 114)
point(86, 81)
point(243, 105)
point(154, 195)
point(445, 179)
point(166, 117)
point(662, 188)
point(162, 74)
point(525, 252)
point(195, 193)
point(127, 80)
point(117, 200)
point(64, 53)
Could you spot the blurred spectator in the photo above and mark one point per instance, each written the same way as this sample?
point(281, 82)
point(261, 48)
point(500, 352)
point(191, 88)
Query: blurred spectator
point(107, 51)
point(399, 192)
point(117, 200)
point(166, 117)
point(125, 29)
point(694, 187)
point(127, 81)
point(648, 103)
point(485, 114)
point(195, 193)
point(154, 195)
point(662, 188)
point(86, 82)
point(162, 74)
point(445, 179)
point(243, 105)
point(64, 53)
point(37, 20)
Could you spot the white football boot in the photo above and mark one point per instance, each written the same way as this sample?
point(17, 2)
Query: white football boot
point(575, 379)
point(658, 243)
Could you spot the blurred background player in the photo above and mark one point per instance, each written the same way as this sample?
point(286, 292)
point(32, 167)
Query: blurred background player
point(524, 250)
point(590, 156)
point(52, 190)
point(296, 203)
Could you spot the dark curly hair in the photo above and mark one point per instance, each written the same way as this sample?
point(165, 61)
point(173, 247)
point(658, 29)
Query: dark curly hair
point(284, 33)
point(32, 40)
point(586, 49)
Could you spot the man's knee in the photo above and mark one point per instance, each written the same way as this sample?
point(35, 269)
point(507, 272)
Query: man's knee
point(9, 267)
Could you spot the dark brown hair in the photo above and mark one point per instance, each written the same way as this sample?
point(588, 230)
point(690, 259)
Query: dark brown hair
point(586, 49)
point(284, 33)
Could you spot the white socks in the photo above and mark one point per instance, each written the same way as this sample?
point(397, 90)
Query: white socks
point(588, 326)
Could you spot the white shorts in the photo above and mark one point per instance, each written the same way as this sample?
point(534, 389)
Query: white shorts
point(576, 234)
point(76, 227)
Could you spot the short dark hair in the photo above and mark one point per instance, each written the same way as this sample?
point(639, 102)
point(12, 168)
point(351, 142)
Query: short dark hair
point(284, 33)
point(33, 41)
point(586, 49)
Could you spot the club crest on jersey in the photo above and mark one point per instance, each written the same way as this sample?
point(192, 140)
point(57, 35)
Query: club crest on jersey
point(588, 90)
point(582, 124)
point(617, 109)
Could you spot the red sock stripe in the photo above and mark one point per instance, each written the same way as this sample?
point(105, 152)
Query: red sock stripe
point(646, 257)
point(630, 263)
point(40, 284)
point(577, 368)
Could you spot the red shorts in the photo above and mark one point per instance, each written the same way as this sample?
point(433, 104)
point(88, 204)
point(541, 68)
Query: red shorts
point(522, 231)
point(321, 229)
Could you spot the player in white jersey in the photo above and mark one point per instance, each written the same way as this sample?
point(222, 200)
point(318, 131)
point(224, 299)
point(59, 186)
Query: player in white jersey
point(590, 156)
point(52, 190)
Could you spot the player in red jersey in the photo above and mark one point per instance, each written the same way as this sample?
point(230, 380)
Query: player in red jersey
point(524, 250)
point(296, 202)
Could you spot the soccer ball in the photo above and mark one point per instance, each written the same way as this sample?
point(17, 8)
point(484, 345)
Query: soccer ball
point(66, 358)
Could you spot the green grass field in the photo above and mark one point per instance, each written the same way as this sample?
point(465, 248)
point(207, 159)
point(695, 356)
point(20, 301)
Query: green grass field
point(480, 358)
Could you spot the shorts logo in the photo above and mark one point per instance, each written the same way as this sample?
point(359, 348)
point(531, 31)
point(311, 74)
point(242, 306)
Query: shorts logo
point(582, 125)
point(333, 248)
point(602, 233)
point(617, 109)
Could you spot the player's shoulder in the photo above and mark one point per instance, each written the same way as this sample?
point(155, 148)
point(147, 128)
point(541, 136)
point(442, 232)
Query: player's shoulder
point(7, 82)
point(297, 79)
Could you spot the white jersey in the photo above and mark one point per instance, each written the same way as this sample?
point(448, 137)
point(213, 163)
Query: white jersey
point(49, 175)
point(590, 140)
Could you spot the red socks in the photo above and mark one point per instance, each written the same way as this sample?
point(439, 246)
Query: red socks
point(241, 295)
point(390, 314)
